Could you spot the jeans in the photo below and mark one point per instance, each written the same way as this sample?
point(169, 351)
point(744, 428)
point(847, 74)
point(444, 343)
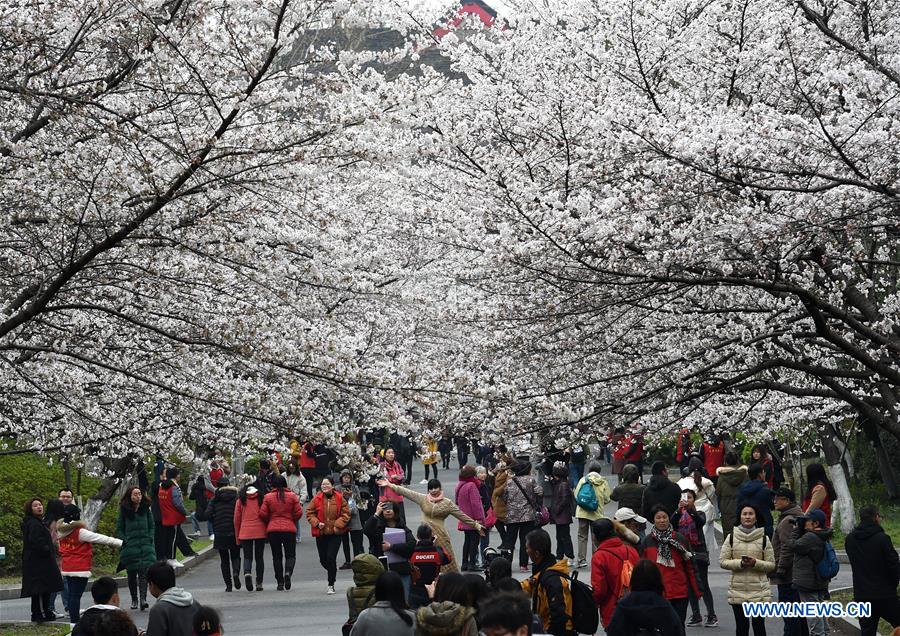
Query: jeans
point(76, 586)
point(742, 623)
point(576, 472)
point(445, 461)
point(65, 599)
point(230, 563)
point(564, 547)
point(792, 626)
point(584, 525)
point(196, 525)
point(254, 548)
point(470, 548)
point(886, 608)
point(283, 543)
point(520, 530)
point(328, 546)
point(817, 626)
point(702, 570)
point(406, 579)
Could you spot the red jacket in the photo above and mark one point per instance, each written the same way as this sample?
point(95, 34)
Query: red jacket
point(168, 498)
point(307, 456)
point(247, 522)
point(281, 515)
point(606, 570)
point(713, 457)
point(393, 472)
point(77, 555)
point(675, 579)
point(332, 511)
point(634, 448)
point(214, 476)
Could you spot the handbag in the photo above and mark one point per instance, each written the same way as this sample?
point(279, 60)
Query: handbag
point(490, 519)
point(541, 514)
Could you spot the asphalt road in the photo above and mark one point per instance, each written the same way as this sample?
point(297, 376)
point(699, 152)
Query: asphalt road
point(307, 607)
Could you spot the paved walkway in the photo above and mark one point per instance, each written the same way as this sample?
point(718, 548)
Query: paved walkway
point(306, 605)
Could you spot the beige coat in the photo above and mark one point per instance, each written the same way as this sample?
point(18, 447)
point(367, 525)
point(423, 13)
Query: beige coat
point(748, 584)
point(434, 515)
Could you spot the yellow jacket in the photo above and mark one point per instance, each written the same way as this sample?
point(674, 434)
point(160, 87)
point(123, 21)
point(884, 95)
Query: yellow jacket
point(430, 456)
point(555, 616)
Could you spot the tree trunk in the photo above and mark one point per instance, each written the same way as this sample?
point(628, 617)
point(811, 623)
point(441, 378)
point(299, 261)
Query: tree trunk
point(843, 513)
point(793, 468)
point(885, 466)
point(121, 468)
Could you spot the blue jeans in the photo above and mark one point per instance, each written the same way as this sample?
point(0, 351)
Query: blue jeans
point(75, 588)
point(576, 472)
point(65, 598)
point(792, 626)
point(407, 583)
point(196, 525)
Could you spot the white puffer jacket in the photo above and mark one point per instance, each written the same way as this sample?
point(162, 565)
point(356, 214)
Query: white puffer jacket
point(748, 584)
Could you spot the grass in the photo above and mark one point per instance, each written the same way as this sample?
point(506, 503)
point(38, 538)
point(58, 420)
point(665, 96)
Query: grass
point(890, 511)
point(33, 629)
point(845, 596)
point(107, 569)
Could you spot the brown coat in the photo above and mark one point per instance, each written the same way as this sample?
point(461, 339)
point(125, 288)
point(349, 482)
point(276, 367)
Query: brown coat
point(498, 497)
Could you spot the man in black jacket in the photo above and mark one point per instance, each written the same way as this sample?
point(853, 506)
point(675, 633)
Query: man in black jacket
point(220, 511)
point(661, 490)
point(876, 570)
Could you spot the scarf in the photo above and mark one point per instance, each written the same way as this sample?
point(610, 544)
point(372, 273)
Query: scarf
point(433, 500)
point(688, 528)
point(665, 541)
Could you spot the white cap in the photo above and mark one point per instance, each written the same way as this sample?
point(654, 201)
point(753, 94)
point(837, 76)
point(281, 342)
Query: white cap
point(624, 514)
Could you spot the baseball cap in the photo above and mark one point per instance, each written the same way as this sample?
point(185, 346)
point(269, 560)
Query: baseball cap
point(624, 514)
point(815, 515)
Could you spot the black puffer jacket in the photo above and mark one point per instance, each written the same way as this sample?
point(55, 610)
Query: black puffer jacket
point(661, 490)
point(220, 510)
point(874, 560)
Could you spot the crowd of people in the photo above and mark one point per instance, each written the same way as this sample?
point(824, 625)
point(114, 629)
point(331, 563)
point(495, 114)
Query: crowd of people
point(648, 563)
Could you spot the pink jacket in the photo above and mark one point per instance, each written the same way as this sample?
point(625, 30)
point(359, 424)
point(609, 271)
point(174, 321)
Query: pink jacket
point(393, 473)
point(468, 498)
point(281, 516)
point(247, 522)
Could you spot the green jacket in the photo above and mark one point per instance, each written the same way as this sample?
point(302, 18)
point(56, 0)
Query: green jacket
point(135, 529)
point(366, 569)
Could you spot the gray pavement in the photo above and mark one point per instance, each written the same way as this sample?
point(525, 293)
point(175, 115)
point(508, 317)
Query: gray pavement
point(306, 606)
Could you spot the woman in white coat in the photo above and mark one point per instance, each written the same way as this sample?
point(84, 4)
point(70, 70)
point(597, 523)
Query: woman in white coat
point(748, 554)
point(704, 499)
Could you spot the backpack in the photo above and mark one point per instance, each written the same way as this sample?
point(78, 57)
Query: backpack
point(585, 616)
point(828, 567)
point(624, 574)
point(586, 497)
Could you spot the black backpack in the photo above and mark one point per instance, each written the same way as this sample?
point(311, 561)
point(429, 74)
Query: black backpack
point(586, 616)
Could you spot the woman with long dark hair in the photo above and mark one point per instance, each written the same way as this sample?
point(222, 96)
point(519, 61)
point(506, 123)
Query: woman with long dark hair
point(820, 492)
point(280, 510)
point(645, 607)
point(760, 455)
point(136, 529)
point(251, 534)
point(389, 614)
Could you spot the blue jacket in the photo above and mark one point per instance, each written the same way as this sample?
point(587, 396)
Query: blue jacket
point(758, 494)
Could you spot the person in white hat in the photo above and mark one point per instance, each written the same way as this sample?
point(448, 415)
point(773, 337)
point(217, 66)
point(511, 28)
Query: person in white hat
point(631, 520)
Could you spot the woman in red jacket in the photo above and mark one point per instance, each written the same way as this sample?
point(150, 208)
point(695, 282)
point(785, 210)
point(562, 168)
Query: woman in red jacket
point(329, 517)
point(251, 533)
point(671, 553)
point(280, 511)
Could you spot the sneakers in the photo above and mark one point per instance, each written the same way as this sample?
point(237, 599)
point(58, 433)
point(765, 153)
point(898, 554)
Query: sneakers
point(581, 564)
point(330, 590)
point(524, 568)
point(175, 563)
point(134, 604)
point(423, 482)
point(228, 587)
point(712, 621)
point(696, 620)
point(259, 587)
point(345, 565)
point(287, 581)
point(280, 587)
point(212, 537)
point(194, 535)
